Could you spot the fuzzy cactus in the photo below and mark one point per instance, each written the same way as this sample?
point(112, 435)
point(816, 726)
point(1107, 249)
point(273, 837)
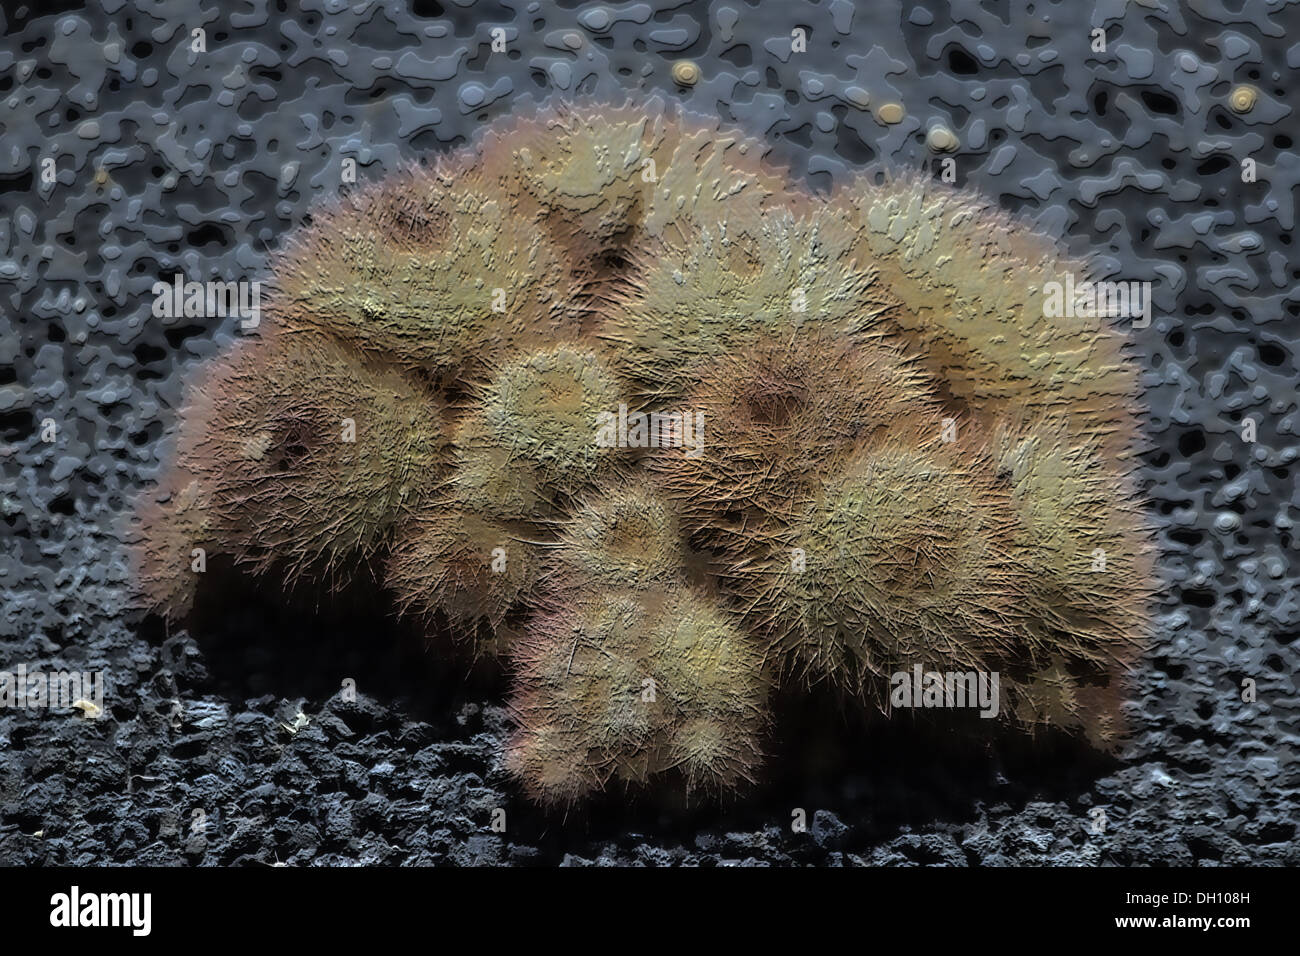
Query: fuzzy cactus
point(896, 458)
point(611, 176)
point(709, 288)
point(297, 455)
point(172, 528)
point(473, 570)
point(898, 556)
point(628, 537)
point(540, 407)
point(773, 407)
point(438, 270)
point(629, 684)
point(971, 280)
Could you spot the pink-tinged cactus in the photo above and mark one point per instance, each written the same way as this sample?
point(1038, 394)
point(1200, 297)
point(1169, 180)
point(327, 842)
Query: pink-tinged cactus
point(780, 412)
point(897, 457)
point(297, 455)
point(627, 685)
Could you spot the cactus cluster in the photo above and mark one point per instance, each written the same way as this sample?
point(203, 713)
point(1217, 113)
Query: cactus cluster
point(897, 459)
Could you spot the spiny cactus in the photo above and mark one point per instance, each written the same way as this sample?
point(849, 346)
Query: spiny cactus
point(171, 522)
point(584, 168)
point(616, 174)
point(301, 456)
point(711, 288)
point(541, 407)
point(490, 479)
point(475, 571)
point(900, 459)
point(712, 675)
point(776, 406)
point(628, 537)
point(971, 279)
point(1079, 527)
point(900, 556)
point(438, 270)
point(627, 684)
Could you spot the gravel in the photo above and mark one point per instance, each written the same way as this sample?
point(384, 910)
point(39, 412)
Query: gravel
point(274, 735)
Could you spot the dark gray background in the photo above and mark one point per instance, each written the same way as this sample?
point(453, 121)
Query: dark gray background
point(210, 159)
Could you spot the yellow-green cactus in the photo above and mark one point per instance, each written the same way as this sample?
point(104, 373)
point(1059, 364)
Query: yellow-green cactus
point(973, 282)
point(439, 269)
point(305, 454)
point(629, 684)
point(626, 537)
point(172, 531)
point(1080, 529)
point(713, 287)
point(542, 407)
point(472, 569)
point(490, 479)
point(897, 456)
point(778, 414)
point(899, 557)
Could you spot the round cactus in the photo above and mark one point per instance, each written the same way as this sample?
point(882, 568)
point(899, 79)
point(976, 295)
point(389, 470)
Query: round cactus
point(543, 407)
point(583, 166)
point(307, 454)
point(972, 280)
point(578, 676)
point(712, 675)
point(439, 270)
point(1079, 529)
point(473, 570)
point(714, 287)
point(626, 537)
point(1081, 535)
point(170, 523)
point(554, 763)
point(638, 683)
point(489, 480)
point(899, 558)
point(615, 174)
point(896, 456)
point(776, 406)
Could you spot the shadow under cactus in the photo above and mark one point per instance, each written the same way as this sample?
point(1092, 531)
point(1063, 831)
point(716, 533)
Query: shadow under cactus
point(914, 770)
point(306, 644)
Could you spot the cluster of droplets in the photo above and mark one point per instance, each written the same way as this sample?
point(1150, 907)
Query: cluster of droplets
point(900, 459)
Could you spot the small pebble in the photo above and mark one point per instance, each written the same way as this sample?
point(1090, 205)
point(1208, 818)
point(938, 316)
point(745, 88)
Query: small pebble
point(941, 139)
point(686, 73)
point(1227, 521)
point(1242, 98)
point(890, 113)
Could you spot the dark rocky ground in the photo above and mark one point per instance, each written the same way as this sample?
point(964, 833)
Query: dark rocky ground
point(209, 160)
